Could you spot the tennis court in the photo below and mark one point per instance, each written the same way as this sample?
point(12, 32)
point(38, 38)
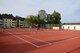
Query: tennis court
point(24, 40)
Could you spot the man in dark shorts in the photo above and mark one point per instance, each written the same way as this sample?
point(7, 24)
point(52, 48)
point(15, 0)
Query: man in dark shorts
point(38, 27)
point(3, 29)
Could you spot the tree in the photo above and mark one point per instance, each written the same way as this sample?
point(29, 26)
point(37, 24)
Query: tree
point(55, 17)
point(32, 20)
point(0, 16)
point(7, 16)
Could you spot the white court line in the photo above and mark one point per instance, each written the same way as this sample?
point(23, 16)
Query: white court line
point(41, 40)
point(74, 37)
point(37, 39)
point(61, 41)
point(24, 40)
point(32, 43)
point(20, 30)
point(34, 38)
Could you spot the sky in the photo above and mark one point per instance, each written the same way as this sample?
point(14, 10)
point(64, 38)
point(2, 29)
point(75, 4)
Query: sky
point(69, 9)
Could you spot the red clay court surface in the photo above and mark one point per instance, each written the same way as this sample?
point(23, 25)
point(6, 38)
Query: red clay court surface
point(17, 40)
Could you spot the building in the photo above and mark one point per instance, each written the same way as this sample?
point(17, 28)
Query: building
point(1, 22)
point(71, 26)
point(12, 22)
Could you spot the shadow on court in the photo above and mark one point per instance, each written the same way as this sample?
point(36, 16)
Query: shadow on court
point(74, 50)
point(3, 34)
point(21, 48)
point(16, 48)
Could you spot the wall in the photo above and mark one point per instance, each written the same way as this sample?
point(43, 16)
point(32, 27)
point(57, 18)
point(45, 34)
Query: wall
point(71, 27)
point(56, 28)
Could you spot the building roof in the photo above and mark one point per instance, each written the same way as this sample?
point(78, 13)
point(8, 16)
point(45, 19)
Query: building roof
point(71, 23)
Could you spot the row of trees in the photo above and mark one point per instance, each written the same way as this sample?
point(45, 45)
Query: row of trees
point(8, 16)
point(53, 18)
point(32, 20)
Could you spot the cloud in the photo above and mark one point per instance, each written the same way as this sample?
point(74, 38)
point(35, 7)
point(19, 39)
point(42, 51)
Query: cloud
point(69, 9)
